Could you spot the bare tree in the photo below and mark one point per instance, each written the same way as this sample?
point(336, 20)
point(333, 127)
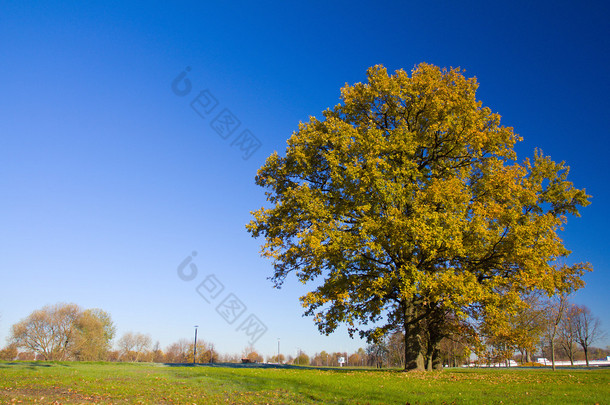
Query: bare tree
point(65, 316)
point(179, 352)
point(588, 329)
point(231, 358)
point(454, 351)
point(126, 345)
point(396, 349)
point(555, 310)
point(134, 346)
point(49, 331)
point(143, 344)
point(567, 332)
point(377, 353)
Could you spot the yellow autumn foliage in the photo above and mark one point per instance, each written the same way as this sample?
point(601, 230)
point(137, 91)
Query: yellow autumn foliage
point(406, 204)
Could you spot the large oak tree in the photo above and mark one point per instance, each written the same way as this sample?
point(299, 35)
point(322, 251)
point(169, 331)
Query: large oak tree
point(406, 206)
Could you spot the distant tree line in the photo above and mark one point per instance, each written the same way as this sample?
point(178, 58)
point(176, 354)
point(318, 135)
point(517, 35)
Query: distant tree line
point(552, 328)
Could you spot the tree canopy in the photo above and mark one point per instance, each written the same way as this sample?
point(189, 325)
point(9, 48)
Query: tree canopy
point(407, 206)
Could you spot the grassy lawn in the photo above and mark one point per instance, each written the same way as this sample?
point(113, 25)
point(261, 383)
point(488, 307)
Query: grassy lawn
point(69, 383)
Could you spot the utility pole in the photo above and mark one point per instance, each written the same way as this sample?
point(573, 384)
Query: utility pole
point(195, 345)
point(278, 351)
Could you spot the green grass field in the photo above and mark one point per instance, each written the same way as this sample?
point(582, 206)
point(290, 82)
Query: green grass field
point(75, 383)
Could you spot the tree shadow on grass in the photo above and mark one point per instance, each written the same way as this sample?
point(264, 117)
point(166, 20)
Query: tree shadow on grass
point(24, 364)
point(32, 365)
point(284, 366)
point(233, 365)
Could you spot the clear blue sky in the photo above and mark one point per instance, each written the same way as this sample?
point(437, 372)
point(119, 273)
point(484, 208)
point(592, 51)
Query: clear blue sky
point(109, 180)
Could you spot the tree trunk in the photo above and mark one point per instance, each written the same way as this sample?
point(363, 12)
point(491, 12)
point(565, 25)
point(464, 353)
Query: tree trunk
point(586, 349)
point(422, 340)
point(433, 359)
point(414, 356)
point(435, 335)
point(437, 361)
point(553, 353)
